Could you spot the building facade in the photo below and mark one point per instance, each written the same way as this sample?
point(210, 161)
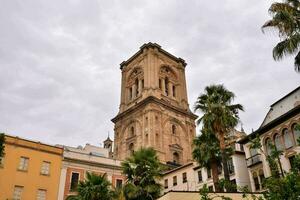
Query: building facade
point(78, 161)
point(29, 170)
point(191, 177)
point(281, 127)
point(154, 110)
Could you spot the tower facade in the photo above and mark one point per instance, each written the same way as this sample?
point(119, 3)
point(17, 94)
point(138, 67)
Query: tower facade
point(154, 110)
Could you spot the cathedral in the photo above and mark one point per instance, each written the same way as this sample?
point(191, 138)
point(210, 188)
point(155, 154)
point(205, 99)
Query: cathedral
point(154, 110)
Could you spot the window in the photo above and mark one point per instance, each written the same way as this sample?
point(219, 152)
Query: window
point(287, 139)
point(137, 87)
point(173, 129)
point(200, 176)
point(174, 180)
point(74, 180)
point(23, 165)
point(268, 144)
point(18, 192)
point(292, 161)
point(219, 169)
point(166, 184)
point(208, 173)
point(262, 178)
point(241, 147)
point(184, 177)
point(277, 140)
point(41, 194)
point(159, 83)
point(174, 91)
point(166, 86)
point(296, 132)
point(256, 181)
point(131, 131)
point(143, 84)
point(210, 188)
point(230, 166)
point(253, 152)
point(234, 186)
point(119, 183)
point(45, 170)
point(130, 93)
point(131, 149)
point(175, 157)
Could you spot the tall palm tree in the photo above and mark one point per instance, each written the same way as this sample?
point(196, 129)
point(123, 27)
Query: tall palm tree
point(142, 170)
point(220, 116)
point(95, 187)
point(207, 153)
point(286, 19)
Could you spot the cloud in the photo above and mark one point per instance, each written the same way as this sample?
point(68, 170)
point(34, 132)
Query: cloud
point(59, 60)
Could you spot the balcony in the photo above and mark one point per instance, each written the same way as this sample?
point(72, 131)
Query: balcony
point(253, 160)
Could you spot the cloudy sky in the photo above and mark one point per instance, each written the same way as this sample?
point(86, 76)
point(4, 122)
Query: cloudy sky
point(59, 60)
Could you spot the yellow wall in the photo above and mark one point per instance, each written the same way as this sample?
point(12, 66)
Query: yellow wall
point(31, 180)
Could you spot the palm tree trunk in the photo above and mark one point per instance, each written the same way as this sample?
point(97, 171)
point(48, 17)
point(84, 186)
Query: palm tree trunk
point(224, 161)
point(215, 175)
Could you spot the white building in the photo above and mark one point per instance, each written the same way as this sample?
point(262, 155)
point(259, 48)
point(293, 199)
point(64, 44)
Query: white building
point(279, 128)
point(78, 161)
point(191, 177)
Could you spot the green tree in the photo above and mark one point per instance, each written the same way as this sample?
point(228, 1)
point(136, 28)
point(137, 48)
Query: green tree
point(2, 140)
point(207, 153)
point(286, 19)
point(219, 115)
point(142, 170)
point(95, 187)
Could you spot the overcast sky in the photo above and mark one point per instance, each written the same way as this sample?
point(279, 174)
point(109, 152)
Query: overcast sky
point(59, 60)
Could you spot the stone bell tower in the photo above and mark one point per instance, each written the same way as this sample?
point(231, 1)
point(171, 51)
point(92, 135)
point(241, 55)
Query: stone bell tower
point(154, 110)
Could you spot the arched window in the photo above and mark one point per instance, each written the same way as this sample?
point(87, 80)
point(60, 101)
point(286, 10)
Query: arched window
point(277, 141)
point(288, 142)
point(268, 144)
point(166, 86)
point(137, 87)
point(173, 129)
point(174, 90)
point(296, 132)
point(131, 131)
point(131, 148)
point(256, 181)
point(175, 157)
point(261, 177)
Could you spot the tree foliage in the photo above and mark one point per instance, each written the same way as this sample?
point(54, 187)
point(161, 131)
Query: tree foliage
point(95, 187)
point(220, 116)
point(286, 19)
point(143, 170)
point(2, 140)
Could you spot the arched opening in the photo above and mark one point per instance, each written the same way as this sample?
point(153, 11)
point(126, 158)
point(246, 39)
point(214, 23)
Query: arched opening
point(175, 157)
point(174, 90)
point(173, 129)
point(131, 148)
point(268, 145)
point(261, 177)
point(132, 131)
point(255, 180)
point(288, 142)
point(146, 139)
point(137, 86)
point(166, 86)
point(277, 141)
point(296, 132)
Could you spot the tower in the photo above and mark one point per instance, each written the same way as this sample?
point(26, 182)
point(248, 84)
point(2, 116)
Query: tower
point(154, 109)
point(108, 144)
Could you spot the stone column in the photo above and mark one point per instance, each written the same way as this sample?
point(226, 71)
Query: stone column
point(133, 91)
point(170, 86)
point(163, 86)
point(140, 87)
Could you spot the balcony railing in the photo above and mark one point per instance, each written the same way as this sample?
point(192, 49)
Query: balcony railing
point(253, 160)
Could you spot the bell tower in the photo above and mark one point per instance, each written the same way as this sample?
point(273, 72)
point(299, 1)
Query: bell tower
point(154, 110)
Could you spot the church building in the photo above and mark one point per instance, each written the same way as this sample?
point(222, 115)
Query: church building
point(154, 110)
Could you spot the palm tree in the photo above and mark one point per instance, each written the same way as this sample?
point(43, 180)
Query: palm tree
point(286, 19)
point(207, 153)
point(95, 187)
point(220, 116)
point(142, 170)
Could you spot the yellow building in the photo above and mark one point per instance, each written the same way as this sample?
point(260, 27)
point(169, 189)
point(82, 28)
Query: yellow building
point(29, 170)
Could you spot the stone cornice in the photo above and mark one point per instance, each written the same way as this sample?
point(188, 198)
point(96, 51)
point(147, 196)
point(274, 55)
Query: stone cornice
point(91, 163)
point(152, 99)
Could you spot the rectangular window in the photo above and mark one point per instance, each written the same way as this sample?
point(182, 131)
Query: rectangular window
point(200, 176)
point(23, 164)
point(119, 183)
point(41, 194)
point(130, 93)
point(210, 188)
point(208, 173)
point(166, 184)
point(74, 180)
point(234, 186)
point(174, 91)
point(230, 166)
point(45, 169)
point(256, 183)
point(143, 84)
point(174, 180)
point(18, 190)
point(242, 147)
point(184, 177)
point(159, 83)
